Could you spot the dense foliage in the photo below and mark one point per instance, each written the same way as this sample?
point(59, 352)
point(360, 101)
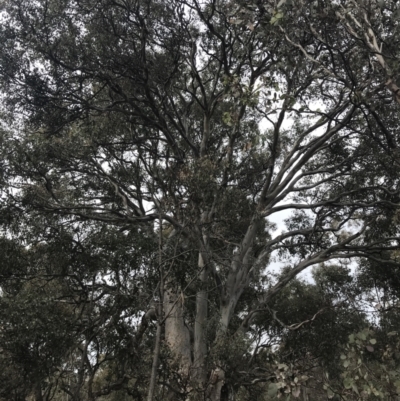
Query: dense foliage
point(147, 150)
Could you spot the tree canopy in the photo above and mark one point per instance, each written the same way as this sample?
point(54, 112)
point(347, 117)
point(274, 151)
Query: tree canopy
point(147, 150)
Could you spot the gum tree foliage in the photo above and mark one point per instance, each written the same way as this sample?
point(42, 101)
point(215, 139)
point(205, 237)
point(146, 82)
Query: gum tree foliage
point(64, 326)
point(187, 126)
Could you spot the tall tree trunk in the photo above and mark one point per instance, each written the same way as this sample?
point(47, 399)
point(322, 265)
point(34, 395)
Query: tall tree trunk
point(157, 346)
point(200, 340)
point(156, 355)
point(236, 283)
point(176, 333)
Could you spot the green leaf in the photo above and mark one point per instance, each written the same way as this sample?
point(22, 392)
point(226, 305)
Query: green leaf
point(227, 119)
point(372, 341)
point(272, 390)
point(273, 21)
point(348, 382)
point(276, 18)
point(362, 336)
point(355, 388)
point(330, 393)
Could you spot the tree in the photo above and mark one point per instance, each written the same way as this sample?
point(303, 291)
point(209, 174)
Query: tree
point(64, 327)
point(191, 124)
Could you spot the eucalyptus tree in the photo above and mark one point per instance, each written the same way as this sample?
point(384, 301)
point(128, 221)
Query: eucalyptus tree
point(193, 124)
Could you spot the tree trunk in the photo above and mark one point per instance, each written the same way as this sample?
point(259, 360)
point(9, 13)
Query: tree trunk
point(200, 340)
point(156, 355)
point(176, 333)
point(217, 381)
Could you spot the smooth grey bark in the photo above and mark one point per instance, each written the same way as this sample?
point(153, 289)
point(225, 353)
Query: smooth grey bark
point(217, 381)
point(157, 345)
point(201, 317)
point(200, 341)
point(177, 335)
